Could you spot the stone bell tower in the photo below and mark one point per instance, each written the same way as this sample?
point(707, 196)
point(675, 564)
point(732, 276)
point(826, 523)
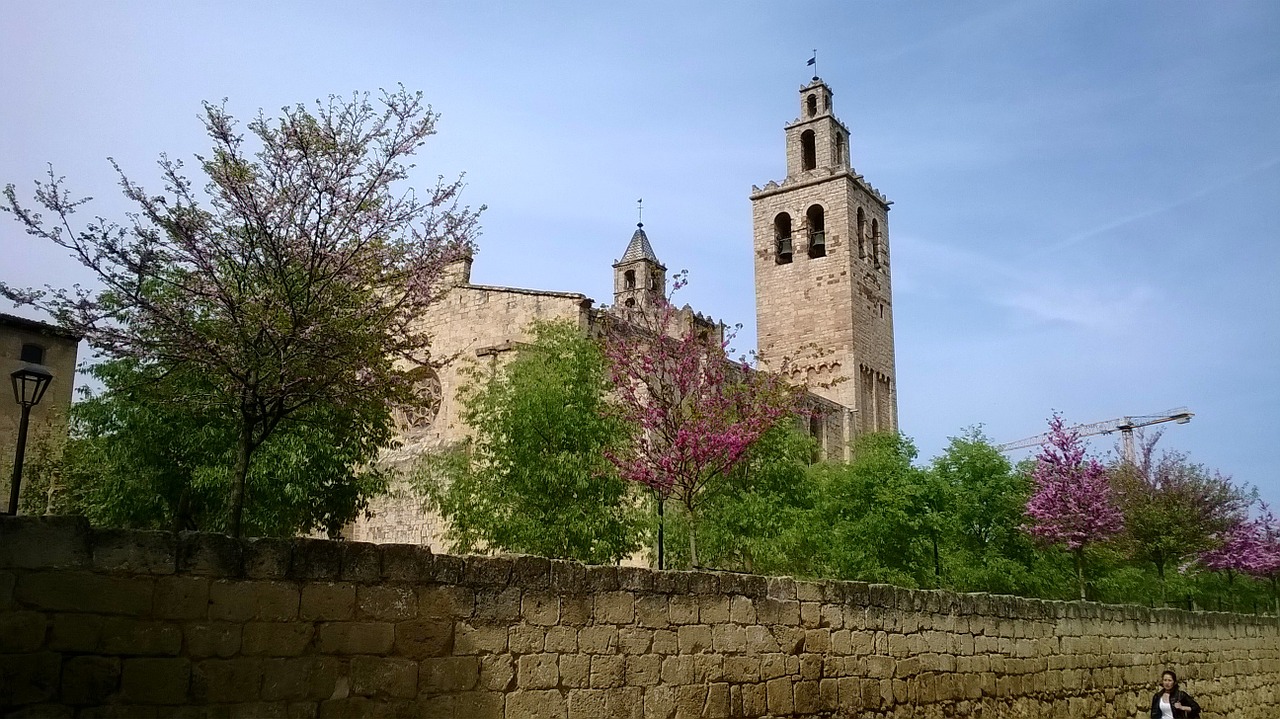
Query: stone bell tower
point(638, 278)
point(824, 305)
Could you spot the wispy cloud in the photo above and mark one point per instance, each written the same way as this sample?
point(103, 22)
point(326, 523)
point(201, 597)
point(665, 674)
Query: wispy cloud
point(1106, 227)
point(1035, 295)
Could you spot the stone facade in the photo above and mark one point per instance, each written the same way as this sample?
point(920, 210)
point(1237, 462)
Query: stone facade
point(829, 316)
point(23, 342)
point(824, 301)
point(97, 623)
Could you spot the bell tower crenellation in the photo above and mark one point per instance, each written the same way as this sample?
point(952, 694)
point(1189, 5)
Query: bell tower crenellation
point(824, 309)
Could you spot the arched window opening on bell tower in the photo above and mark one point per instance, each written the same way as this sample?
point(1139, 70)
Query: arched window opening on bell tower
point(808, 152)
point(875, 242)
point(817, 231)
point(838, 160)
point(629, 279)
point(782, 238)
point(862, 234)
point(655, 280)
point(812, 105)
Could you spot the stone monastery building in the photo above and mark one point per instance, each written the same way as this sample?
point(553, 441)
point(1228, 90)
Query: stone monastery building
point(823, 300)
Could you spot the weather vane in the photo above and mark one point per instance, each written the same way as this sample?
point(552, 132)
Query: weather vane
point(640, 212)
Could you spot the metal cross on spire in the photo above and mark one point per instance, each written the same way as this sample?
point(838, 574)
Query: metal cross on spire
point(640, 212)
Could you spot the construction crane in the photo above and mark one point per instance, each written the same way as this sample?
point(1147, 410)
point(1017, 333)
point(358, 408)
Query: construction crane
point(1123, 425)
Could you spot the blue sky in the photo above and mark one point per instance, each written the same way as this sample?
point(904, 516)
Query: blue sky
point(1086, 194)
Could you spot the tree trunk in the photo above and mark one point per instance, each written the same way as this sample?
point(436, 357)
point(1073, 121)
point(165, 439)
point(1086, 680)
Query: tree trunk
point(1160, 576)
point(244, 451)
point(693, 542)
point(937, 563)
point(661, 538)
point(1080, 571)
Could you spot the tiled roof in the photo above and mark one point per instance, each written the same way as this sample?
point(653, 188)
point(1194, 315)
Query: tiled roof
point(639, 249)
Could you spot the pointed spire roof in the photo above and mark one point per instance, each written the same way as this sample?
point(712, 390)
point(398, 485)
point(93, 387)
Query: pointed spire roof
point(639, 248)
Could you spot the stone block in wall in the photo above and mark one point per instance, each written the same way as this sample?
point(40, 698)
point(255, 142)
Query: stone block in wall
point(181, 597)
point(268, 557)
point(240, 601)
point(327, 601)
point(408, 563)
point(615, 608)
point(445, 675)
point(531, 572)
point(28, 678)
point(483, 639)
point(599, 579)
point(22, 632)
point(124, 636)
point(89, 679)
point(536, 704)
point(218, 681)
point(423, 638)
point(446, 602)
point(497, 673)
point(355, 638)
point(598, 640)
point(384, 678)
point(212, 639)
point(487, 572)
point(608, 671)
point(301, 678)
point(156, 681)
point(447, 569)
point(44, 542)
point(134, 552)
point(497, 605)
point(387, 603)
point(315, 560)
point(215, 555)
point(276, 639)
point(540, 608)
point(360, 562)
point(568, 577)
point(85, 592)
point(561, 640)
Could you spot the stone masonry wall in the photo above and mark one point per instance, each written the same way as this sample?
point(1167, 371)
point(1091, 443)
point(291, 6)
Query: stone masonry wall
point(97, 623)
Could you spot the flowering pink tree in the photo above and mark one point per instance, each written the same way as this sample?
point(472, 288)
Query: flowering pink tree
point(1073, 504)
point(695, 412)
point(1250, 547)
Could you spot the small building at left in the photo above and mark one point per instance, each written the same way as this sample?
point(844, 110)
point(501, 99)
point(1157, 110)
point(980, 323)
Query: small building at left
point(26, 342)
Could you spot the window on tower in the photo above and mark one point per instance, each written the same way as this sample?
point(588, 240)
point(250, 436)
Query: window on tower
point(629, 279)
point(812, 105)
point(839, 150)
point(782, 238)
point(875, 242)
point(862, 234)
point(816, 220)
point(808, 152)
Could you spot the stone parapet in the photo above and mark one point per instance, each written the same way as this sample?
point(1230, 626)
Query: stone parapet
point(122, 623)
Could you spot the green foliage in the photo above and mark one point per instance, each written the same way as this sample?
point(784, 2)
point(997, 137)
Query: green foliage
point(536, 478)
point(143, 454)
point(755, 519)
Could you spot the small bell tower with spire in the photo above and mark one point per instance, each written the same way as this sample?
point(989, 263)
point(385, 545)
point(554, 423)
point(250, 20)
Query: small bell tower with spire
point(638, 278)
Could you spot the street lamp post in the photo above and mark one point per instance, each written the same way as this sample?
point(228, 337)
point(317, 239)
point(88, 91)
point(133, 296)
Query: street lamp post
point(29, 384)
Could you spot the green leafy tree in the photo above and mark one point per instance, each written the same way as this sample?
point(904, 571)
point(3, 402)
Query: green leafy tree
point(295, 280)
point(758, 516)
point(1174, 508)
point(983, 501)
point(535, 477)
point(872, 513)
point(144, 453)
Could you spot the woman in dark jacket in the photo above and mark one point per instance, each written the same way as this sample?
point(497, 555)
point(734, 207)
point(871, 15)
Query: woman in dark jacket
point(1171, 702)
